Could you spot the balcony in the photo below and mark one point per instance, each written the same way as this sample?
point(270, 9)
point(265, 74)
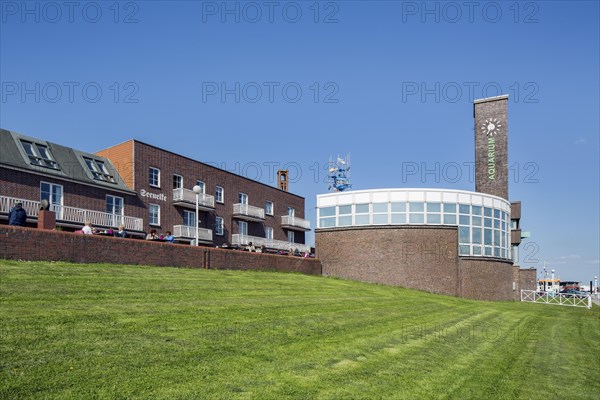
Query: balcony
point(187, 198)
point(243, 240)
point(75, 215)
point(295, 223)
point(189, 232)
point(249, 213)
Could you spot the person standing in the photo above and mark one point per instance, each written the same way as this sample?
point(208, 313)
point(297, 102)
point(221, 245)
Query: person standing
point(17, 215)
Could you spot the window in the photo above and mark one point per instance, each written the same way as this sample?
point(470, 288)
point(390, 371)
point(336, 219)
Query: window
point(219, 226)
point(269, 207)
point(291, 212)
point(114, 206)
point(39, 154)
point(202, 186)
point(268, 233)
point(189, 218)
point(291, 237)
point(177, 181)
point(98, 170)
point(54, 194)
point(153, 214)
point(380, 213)
point(344, 215)
point(154, 177)
point(243, 228)
point(362, 214)
point(243, 198)
point(327, 217)
point(219, 194)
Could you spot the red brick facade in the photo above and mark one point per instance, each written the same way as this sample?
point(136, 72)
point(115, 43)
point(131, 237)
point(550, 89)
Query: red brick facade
point(146, 156)
point(17, 243)
point(418, 257)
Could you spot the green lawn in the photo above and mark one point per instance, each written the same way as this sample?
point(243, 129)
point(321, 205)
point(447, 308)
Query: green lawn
point(108, 331)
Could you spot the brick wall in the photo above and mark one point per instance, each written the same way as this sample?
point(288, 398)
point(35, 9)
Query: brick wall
point(17, 243)
point(418, 257)
point(486, 279)
point(122, 152)
point(422, 258)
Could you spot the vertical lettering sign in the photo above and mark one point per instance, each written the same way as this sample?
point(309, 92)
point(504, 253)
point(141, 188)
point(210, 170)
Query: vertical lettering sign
point(491, 146)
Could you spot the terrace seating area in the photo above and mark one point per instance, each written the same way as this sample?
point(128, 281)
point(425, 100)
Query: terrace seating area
point(73, 216)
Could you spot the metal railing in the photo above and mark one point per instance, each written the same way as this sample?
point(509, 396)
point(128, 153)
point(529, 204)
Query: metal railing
point(295, 221)
point(73, 214)
point(561, 299)
point(243, 240)
point(247, 210)
point(189, 232)
point(188, 196)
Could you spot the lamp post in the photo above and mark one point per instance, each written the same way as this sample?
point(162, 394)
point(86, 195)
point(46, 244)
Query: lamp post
point(552, 271)
point(197, 189)
point(596, 285)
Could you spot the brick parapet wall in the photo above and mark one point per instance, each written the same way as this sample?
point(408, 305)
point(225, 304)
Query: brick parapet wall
point(17, 243)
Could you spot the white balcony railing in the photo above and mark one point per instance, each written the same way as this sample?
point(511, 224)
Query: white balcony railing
point(245, 210)
point(189, 232)
point(243, 240)
point(189, 197)
point(76, 215)
point(295, 222)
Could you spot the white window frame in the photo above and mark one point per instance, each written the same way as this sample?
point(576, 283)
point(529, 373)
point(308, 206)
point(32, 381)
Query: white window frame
point(272, 208)
point(118, 217)
point(202, 186)
point(157, 185)
point(245, 225)
point(219, 226)
point(243, 198)
point(219, 194)
point(149, 218)
point(291, 235)
point(180, 181)
point(51, 191)
point(291, 212)
point(193, 213)
point(268, 233)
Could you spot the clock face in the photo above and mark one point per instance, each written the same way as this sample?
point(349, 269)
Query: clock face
point(491, 127)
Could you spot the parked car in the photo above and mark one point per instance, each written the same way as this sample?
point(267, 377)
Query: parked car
point(574, 293)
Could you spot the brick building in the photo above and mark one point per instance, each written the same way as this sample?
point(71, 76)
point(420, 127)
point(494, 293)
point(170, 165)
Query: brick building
point(145, 187)
point(454, 242)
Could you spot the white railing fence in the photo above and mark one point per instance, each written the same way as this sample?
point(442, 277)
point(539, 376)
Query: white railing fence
point(73, 214)
point(243, 240)
point(295, 221)
point(189, 196)
point(189, 232)
point(251, 211)
point(561, 299)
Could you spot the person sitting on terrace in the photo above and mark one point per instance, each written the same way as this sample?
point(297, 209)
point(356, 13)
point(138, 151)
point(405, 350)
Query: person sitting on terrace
point(169, 237)
point(87, 228)
point(251, 247)
point(17, 215)
point(297, 252)
point(121, 232)
point(152, 235)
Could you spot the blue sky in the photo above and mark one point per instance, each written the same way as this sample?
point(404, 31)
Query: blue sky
point(391, 83)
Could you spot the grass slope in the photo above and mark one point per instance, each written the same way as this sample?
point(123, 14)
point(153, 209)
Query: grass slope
point(106, 331)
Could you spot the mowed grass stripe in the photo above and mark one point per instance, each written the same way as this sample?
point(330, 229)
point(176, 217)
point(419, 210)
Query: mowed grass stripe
point(105, 331)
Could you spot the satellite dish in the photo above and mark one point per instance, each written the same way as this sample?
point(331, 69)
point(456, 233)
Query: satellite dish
point(44, 205)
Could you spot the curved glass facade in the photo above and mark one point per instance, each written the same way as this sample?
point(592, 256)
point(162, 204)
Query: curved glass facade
point(483, 220)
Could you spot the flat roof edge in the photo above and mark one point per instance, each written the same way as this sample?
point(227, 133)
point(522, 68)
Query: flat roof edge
point(495, 98)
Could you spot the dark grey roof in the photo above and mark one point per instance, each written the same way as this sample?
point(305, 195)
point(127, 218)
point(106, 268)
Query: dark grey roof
point(71, 165)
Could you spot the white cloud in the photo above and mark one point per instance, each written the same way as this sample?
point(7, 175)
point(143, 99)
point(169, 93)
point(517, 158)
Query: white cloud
point(579, 141)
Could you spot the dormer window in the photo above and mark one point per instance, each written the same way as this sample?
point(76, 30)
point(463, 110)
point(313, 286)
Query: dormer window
point(98, 170)
point(39, 154)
